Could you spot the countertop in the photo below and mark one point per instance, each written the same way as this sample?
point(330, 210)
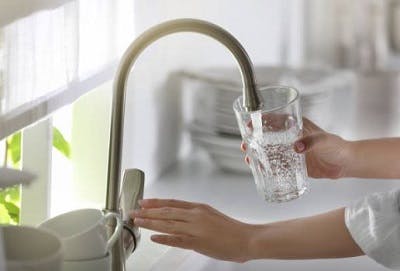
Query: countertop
point(197, 179)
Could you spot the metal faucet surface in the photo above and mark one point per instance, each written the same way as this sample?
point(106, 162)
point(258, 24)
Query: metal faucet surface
point(251, 101)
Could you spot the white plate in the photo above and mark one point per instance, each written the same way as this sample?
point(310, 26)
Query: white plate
point(228, 159)
point(231, 164)
point(224, 150)
point(204, 134)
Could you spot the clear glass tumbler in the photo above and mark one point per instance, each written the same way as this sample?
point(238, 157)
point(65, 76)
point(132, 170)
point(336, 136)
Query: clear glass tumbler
point(280, 173)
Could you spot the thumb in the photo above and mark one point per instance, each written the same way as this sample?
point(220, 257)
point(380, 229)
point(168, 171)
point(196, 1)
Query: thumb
point(307, 143)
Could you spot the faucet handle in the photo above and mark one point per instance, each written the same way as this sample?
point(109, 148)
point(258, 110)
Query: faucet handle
point(131, 192)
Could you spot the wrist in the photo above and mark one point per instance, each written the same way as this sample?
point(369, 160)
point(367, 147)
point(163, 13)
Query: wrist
point(349, 154)
point(252, 242)
point(258, 242)
point(350, 161)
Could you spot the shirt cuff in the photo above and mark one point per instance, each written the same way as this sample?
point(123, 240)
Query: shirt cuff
point(374, 224)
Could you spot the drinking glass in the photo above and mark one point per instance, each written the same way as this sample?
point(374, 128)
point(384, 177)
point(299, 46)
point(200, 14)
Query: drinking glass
point(279, 172)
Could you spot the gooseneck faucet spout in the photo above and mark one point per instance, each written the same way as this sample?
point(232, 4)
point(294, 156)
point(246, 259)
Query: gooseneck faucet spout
point(251, 99)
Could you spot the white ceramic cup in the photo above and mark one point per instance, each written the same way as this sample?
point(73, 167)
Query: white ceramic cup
point(83, 233)
point(31, 249)
point(100, 264)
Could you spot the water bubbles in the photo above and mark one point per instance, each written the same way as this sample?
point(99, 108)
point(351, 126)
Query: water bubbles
point(279, 171)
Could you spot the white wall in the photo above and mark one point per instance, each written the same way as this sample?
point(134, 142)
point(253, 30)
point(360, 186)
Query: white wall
point(153, 122)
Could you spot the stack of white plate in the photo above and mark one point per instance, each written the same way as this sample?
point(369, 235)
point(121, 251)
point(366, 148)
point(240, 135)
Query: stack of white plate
point(224, 149)
point(210, 94)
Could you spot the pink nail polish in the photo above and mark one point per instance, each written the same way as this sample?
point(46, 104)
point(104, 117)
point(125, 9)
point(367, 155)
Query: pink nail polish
point(300, 146)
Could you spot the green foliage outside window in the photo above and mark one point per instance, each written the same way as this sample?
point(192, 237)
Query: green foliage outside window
point(10, 198)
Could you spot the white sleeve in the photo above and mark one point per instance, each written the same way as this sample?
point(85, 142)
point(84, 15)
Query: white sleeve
point(374, 224)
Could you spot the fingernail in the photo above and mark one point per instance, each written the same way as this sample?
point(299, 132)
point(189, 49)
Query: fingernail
point(135, 212)
point(300, 146)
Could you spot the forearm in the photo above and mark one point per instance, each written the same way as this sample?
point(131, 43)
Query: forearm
point(320, 236)
point(377, 158)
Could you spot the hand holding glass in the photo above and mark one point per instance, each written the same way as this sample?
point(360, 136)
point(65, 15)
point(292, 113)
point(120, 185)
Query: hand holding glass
point(280, 173)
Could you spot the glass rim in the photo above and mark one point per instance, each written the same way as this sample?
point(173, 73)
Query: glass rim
point(239, 99)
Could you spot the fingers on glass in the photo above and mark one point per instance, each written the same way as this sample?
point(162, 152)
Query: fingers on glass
point(243, 147)
point(299, 146)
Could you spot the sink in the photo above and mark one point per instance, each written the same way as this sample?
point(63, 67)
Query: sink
point(182, 260)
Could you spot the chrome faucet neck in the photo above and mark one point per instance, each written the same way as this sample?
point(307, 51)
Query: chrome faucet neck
point(251, 99)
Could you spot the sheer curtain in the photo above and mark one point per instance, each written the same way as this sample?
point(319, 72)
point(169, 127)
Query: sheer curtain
point(51, 57)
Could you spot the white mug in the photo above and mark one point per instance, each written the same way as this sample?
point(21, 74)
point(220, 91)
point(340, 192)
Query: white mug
point(83, 233)
point(31, 249)
point(100, 264)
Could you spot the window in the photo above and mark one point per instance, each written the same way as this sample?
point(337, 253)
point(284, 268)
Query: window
point(51, 53)
point(51, 57)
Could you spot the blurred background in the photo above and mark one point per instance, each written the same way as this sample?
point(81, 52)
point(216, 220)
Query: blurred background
point(58, 59)
point(343, 56)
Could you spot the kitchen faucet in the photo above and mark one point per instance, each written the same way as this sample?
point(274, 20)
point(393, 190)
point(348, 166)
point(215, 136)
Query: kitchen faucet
point(132, 186)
